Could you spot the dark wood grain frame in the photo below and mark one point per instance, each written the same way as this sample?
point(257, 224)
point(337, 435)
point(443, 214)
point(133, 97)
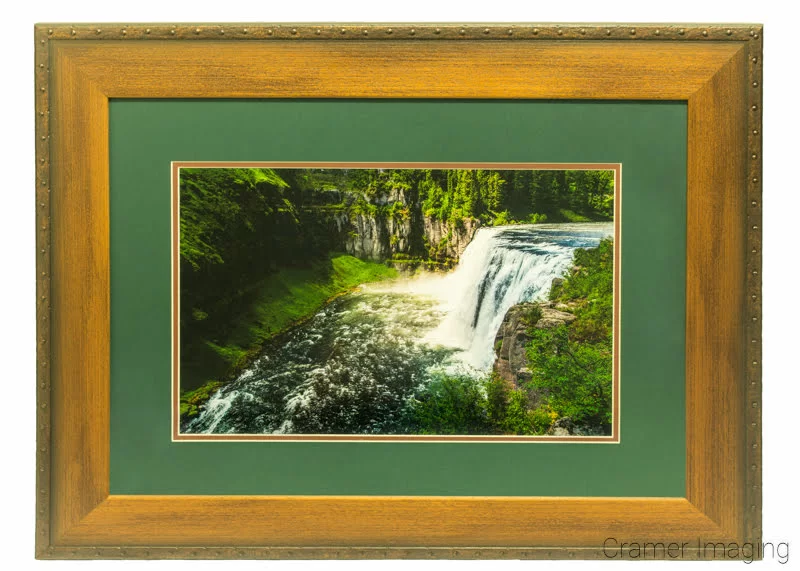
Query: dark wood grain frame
point(716, 69)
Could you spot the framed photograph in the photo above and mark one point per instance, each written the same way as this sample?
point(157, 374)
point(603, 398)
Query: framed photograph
point(398, 291)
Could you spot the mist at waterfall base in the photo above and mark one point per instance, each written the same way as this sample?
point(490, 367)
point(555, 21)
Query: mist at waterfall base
point(355, 366)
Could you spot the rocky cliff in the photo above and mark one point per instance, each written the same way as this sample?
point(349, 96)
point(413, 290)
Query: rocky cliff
point(392, 227)
point(446, 239)
point(511, 362)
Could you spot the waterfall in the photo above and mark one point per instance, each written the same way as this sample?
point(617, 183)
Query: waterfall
point(501, 267)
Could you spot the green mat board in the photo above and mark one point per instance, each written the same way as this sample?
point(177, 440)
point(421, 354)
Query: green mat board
point(649, 139)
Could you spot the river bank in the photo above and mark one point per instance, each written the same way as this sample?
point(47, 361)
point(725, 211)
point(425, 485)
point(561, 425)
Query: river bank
point(558, 352)
point(281, 301)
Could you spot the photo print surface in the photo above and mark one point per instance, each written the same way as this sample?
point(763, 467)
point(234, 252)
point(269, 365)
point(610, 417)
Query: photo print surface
point(396, 301)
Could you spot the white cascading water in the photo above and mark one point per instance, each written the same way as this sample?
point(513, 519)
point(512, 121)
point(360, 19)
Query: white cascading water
point(501, 267)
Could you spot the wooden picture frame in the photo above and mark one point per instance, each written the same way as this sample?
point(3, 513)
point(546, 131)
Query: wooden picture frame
point(715, 69)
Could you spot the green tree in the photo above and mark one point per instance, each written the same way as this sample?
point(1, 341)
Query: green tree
point(452, 405)
point(576, 377)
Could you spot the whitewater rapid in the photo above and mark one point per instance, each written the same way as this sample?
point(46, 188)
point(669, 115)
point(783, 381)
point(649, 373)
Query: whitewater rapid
point(353, 366)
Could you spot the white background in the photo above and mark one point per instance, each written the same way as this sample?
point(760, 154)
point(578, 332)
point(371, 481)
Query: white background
point(17, 279)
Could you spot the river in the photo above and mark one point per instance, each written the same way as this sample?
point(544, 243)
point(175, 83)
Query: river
point(353, 367)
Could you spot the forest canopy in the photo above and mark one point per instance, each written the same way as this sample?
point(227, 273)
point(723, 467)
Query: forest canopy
point(222, 207)
point(514, 195)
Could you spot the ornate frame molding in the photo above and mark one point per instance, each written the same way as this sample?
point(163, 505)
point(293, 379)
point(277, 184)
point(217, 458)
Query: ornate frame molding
point(717, 69)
